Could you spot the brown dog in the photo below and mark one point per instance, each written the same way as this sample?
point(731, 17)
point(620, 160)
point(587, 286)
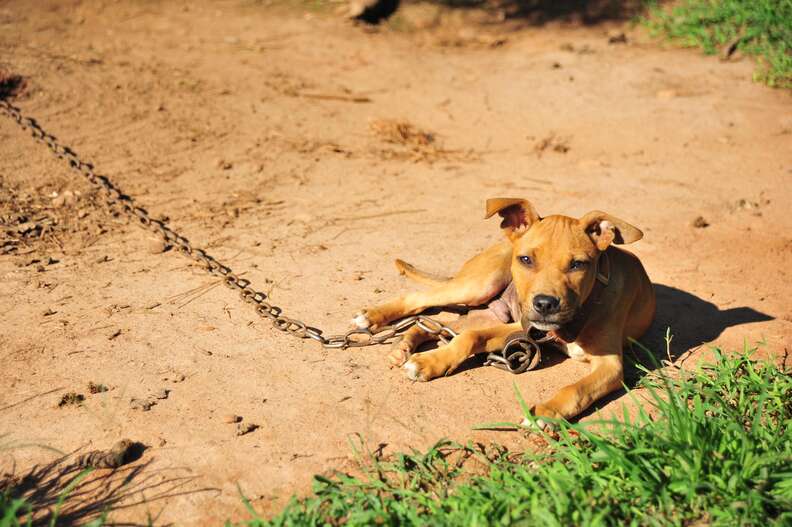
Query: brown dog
point(557, 274)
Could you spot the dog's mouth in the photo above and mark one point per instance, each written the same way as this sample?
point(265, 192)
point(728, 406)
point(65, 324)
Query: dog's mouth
point(550, 323)
point(543, 326)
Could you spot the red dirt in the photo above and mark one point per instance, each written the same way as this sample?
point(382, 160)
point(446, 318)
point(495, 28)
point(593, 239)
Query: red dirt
point(248, 126)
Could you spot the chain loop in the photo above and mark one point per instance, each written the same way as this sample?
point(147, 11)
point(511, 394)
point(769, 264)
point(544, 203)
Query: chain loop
point(115, 197)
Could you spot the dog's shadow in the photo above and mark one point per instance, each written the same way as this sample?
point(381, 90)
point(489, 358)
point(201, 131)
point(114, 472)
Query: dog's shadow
point(690, 320)
point(693, 321)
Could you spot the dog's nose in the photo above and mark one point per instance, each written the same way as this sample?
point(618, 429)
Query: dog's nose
point(546, 304)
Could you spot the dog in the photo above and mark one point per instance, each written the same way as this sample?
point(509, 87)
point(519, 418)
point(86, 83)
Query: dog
point(557, 274)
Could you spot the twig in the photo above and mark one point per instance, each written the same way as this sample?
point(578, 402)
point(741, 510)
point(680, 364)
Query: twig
point(330, 97)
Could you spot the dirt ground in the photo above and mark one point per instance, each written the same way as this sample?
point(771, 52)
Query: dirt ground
point(266, 134)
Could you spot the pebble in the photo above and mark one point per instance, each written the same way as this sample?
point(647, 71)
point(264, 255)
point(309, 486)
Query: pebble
point(245, 428)
point(155, 246)
point(67, 198)
point(700, 223)
point(231, 418)
point(617, 37)
point(142, 404)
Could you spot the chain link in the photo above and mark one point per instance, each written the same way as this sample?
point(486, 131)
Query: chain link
point(522, 351)
point(114, 197)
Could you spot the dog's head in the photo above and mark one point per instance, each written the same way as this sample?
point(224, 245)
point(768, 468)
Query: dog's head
point(554, 259)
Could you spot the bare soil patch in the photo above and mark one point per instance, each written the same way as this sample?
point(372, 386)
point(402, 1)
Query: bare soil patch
point(250, 128)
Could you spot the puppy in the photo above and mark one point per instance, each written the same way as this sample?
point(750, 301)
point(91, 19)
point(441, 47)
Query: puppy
point(558, 274)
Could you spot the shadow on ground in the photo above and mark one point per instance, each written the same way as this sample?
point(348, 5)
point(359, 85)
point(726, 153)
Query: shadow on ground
point(531, 12)
point(89, 494)
point(693, 321)
point(538, 12)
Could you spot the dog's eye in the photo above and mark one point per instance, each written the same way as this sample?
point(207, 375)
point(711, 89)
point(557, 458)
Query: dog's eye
point(575, 265)
point(525, 260)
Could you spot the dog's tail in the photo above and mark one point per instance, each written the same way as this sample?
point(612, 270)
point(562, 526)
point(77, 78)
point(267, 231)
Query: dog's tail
point(419, 276)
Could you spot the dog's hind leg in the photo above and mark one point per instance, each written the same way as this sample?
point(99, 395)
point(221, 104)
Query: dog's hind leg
point(480, 279)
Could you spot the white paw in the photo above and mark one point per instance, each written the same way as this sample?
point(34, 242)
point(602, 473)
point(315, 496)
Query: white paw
point(411, 369)
point(574, 351)
point(361, 321)
point(538, 424)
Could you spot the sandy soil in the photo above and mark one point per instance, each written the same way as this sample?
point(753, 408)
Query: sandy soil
point(261, 132)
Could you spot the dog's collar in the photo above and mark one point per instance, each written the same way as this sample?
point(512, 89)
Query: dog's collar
point(603, 278)
point(569, 332)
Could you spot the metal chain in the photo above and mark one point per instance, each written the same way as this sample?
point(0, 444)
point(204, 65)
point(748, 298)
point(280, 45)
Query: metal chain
point(352, 339)
point(522, 351)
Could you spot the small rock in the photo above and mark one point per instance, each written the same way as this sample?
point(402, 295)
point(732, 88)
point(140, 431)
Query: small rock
point(97, 388)
point(28, 226)
point(162, 394)
point(223, 164)
point(231, 418)
point(142, 404)
point(123, 452)
point(49, 312)
point(71, 398)
point(617, 37)
point(245, 428)
point(746, 204)
point(155, 246)
point(700, 223)
point(67, 198)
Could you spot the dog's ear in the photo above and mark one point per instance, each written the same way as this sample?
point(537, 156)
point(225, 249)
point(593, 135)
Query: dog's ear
point(605, 229)
point(517, 214)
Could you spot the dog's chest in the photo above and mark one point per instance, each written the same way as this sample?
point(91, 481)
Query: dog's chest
point(506, 307)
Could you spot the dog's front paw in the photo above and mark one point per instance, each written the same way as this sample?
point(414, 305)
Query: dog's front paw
point(361, 320)
point(542, 415)
point(428, 365)
point(421, 367)
point(368, 319)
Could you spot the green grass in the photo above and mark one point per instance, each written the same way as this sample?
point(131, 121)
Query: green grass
point(761, 28)
point(713, 448)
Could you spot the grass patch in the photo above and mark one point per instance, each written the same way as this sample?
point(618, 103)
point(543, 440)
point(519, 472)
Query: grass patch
point(760, 28)
point(714, 448)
